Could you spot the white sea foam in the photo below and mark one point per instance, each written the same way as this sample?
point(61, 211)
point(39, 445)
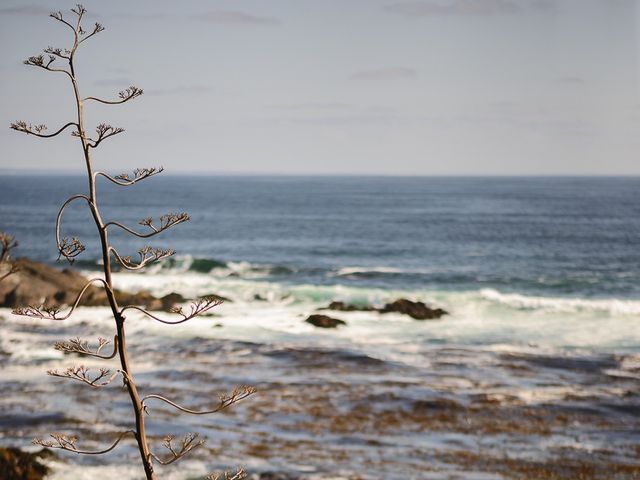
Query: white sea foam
point(611, 306)
point(260, 309)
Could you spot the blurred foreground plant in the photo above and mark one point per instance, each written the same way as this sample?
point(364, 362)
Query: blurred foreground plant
point(69, 248)
point(7, 266)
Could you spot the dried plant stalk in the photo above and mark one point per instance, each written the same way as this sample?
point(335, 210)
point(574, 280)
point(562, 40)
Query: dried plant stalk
point(70, 247)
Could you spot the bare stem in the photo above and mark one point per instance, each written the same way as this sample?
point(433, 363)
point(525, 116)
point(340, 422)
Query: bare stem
point(125, 180)
point(239, 393)
point(197, 307)
point(52, 313)
point(65, 442)
point(187, 443)
point(125, 95)
point(147, 255)
point(81, 373)
point(76, 345)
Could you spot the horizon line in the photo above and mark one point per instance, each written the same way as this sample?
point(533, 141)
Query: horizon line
point(76, 173)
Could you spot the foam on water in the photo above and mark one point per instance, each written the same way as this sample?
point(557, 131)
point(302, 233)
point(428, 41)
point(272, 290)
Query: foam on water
point(478, 317)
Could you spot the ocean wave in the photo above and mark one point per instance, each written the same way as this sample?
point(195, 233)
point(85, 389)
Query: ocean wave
point(518, 301)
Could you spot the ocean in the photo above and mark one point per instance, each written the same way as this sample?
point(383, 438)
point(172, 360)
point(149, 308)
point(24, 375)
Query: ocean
point(540, 276)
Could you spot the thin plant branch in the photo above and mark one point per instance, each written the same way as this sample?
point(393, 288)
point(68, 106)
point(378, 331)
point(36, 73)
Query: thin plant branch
point(68, 443)
point(69, 248)
point(196, 307)
point(81, 347)
point(166, 221)
point(58, 52)
point(239, 475)
point(37, 130)
point(39, 61)
point(125, 95)
point(226, 400)
point(187, 443)
point(58, 16)
point(81, 373)
point(52, 313)
point(125, 180)
point(7, 244)
point(147, 255)
point(104, 131)
point(97, 28)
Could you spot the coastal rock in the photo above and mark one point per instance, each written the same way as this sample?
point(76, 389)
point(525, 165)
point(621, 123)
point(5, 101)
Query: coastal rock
point(273, 476)
point(324, 321)
point(18, 465)
point(38, 284)
point(220, 298)
point(416, 310)
point(170, 300)
point(346, 307)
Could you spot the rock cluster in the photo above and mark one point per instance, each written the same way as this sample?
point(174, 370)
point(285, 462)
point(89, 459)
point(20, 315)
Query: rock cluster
point(416, 310)
point(18, 465)
point(39, 284)
point(323, 321)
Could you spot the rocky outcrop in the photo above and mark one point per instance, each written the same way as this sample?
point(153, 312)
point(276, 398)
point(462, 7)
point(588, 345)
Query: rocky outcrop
point(323, 321)
point(416, 310)
point(39, 284)
point(18, 465)
point(346, 307)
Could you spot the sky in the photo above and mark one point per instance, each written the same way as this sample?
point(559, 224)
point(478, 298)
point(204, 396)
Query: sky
point(365, 87)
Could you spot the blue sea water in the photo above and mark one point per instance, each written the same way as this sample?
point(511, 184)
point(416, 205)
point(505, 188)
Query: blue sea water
point(550, 236)
point(540, 276)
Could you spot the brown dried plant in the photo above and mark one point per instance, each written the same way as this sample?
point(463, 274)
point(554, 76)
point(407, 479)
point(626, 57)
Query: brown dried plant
point(7, 266)
point(69, 248)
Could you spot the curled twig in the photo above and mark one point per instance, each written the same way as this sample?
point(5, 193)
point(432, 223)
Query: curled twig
point(147, 255)
point(51, 313)
point(68, 442)
point(22, 126)
point(239, 475)
point(225, 400)
point(104, 131)
point(187, 443)
point(124, 179)
point(197, 307)
point(124, 95)
point(70, 248)
point(103, 378)
point(165, 221)
point(76, 345)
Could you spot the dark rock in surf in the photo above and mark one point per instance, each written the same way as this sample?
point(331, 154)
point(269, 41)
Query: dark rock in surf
point(38, 284)
point(220, 298)
point(18, 465)
point(346, 307)
point(324, 321)
point(170, 300)
point(416, 310)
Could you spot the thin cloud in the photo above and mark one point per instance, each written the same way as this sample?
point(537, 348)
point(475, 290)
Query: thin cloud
point(232, 17)
point(139, 16)
point(25, 10)
point(112, 82)
point(188, 89)
point(388, 73)
point(453, 7)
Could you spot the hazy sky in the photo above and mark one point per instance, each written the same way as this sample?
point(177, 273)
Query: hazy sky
point(336, 86)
